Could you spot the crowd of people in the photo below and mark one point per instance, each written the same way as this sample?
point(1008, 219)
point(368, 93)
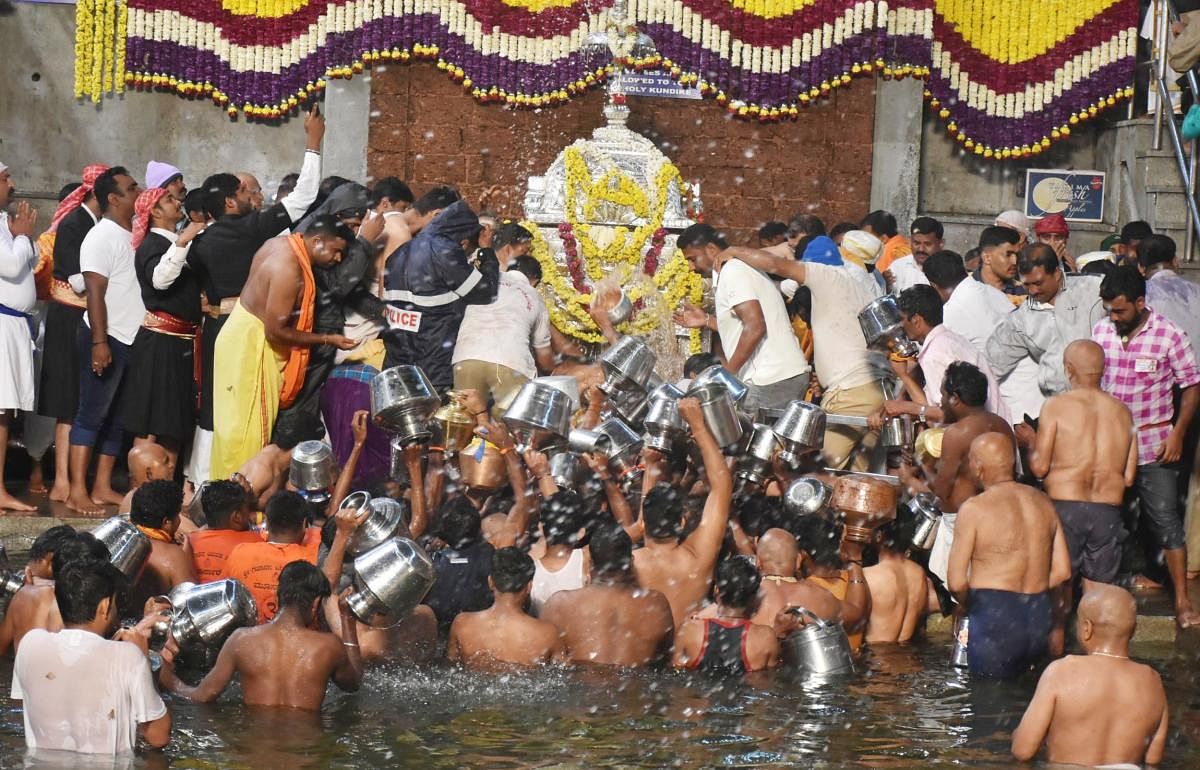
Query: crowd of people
point(1053, 394)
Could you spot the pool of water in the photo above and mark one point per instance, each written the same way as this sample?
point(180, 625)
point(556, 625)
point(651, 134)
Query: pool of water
point(905, 708)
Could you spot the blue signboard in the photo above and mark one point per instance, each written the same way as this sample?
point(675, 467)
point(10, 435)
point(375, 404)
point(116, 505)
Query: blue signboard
point(1077, 195)
point(658, 84)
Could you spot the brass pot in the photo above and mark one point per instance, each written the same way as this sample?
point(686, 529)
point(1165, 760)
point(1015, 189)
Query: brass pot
point(452, 426)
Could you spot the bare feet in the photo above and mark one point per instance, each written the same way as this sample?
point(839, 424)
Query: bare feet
point(10, 503)
point(60, 491)
point(84, 506)
point(106, 496)
point(1143, 583)
point(37, 483)
point(1186, 616)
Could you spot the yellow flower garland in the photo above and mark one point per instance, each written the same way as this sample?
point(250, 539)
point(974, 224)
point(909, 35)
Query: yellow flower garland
point(101, 27)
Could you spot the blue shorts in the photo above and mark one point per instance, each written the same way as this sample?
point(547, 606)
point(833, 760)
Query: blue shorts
point(1009, 631)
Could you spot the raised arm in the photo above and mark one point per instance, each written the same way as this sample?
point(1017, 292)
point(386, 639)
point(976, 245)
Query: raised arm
point(347, 675)
point(358, 427)
point(308, 184)
point(165, 269)
point(768, 262)
point(705, 541)
point(420, 510)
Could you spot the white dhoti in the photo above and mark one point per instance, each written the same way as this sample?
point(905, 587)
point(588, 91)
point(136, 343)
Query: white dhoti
point(939, 554)
point(198, 463)
point(16, 364)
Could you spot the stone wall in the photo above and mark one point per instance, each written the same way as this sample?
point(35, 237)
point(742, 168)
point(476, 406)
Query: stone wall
point(427, 130)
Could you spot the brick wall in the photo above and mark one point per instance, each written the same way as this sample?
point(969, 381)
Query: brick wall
point(426, 130)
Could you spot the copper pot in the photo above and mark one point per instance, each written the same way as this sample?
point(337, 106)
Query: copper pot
point(486, 473)
point(866, 504)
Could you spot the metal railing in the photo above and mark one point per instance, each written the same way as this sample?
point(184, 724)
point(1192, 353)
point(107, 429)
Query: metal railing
point(1164, 115)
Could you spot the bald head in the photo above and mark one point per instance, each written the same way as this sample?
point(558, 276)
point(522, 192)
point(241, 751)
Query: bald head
point(1111, 611)
point(1084, 361)
point(991, 458)
point(149, 462)
point(777, 552)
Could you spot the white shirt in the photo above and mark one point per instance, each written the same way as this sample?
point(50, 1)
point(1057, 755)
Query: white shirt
point(18, 257)
point(503, 332)
point(1178, 300)
point(839, 348)
point(906, 273)
point(107, 250)
point(778, 356)
point(974, 310)
point(943, 347)
point(83, 693)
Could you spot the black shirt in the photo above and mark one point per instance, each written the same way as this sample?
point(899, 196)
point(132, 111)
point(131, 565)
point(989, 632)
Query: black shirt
point(67, 240)
point(182, 299)
point(223, 252)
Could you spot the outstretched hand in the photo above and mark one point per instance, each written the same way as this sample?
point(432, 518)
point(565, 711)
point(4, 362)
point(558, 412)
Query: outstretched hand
point(358, 426)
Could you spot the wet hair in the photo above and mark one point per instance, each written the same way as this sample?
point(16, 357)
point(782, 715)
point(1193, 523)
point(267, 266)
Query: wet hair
point(81, 547)
point(437, 198)
point(995, 235)
point(81, 587)
point(964, 381)
point(922, 300)
point(106, 185)
point(527, 266)
point(772, 230)
point(945, 269)
point(563, 514)
point(300, 582)
point(393, 189)
point(927, 226)
point(1037, 255)
point(805, 224)
point(737, 581)
point(510, 234)
point(328, 185)
point(700, 234)
point(155, 502)
point(698, 362)
point(217, 188)
point(329, 225)
point(819, 538)
point(287, 184)
point(286, 512)
point(841, 228)
point(1156, 250)
point(1100, 267)
point(662, 511)
point(195, 200)
point(67, 189)
point(512, 569)
point(611, 550)
point(1125, 281)
point(1136, 230)
point(222, 499)
point(756, 513)
point(458, 522)
point(882, 223)
point(50, 541)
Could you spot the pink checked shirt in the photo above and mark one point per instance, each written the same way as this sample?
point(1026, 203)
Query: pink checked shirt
point(1142, 373)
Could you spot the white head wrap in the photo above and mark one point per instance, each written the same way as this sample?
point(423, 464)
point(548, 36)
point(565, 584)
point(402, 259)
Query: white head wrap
point(860, 247)
point(1013, 220)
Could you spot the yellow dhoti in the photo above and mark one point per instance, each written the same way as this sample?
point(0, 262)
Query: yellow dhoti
point(247, 379)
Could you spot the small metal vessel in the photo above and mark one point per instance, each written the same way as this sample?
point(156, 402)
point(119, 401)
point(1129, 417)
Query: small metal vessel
point(128, 548)
point(313, 466)
point(629, 362)
point(928, 515)
point(962, 629)
point(820, 647)
point(452, 427)
point(755, 464)
point(807, 496)
point(882, 329)
point(662, 425)
point(719, 413)
point(386, 520)
point(897, 432)
point(392, 578)
point(567, 469)
point(624, 451)
point(205, 615)
point(402, 401)
point(721, 376)
point(800, 430)
point(620, 312)
point(583, 440)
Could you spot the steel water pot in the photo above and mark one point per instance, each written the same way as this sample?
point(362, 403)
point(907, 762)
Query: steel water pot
point(205, 615)
point(629, 403)
point(538, 413)
point(897, 432)
point(387, 519)
point(882, 329)
point(721, 376)
point(568, 385)
point(620, 312)
point(128, 548)
point(397, 468)
point(629, 362)
point(624, 451)
point(755, 464)
point(568, 469)
point(719, 413)
point(392, 578)
point(800, 430)
point(313, 466)
point(10, 582)
point(807, 496)
point(402, 401)
point(820, 647)
point(962, 632)
point(663, 425)
point(584, 440)
point(928, 517)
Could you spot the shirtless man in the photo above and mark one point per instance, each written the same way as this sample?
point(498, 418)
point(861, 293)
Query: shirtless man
point(148, 461)
point(265, 473)
point(1099, 709)
point(411, 640)
point(155, 511)
point(683, 571)
point(899, 593)
point(781, 587)
point(1086, 456)
point(729, 643)
point(285, 662)
point(612, 621)
point(34, 605)
point(504, 633)
point(1008, 553)
point(399, 226)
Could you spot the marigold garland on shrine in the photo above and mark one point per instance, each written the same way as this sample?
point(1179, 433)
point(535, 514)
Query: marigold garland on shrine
point(1008, 79)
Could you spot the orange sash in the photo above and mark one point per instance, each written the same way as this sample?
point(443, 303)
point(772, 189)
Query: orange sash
point(43, 274)
point(297, 363)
